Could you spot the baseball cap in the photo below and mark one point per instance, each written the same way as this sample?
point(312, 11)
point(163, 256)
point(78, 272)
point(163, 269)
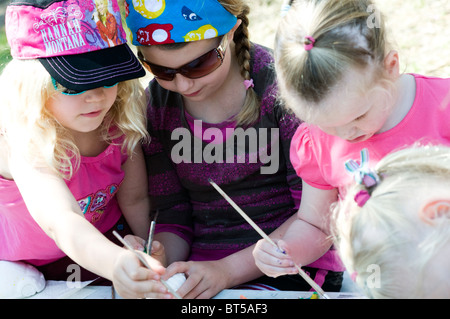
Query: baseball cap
point(81, 43)
point(159, 22)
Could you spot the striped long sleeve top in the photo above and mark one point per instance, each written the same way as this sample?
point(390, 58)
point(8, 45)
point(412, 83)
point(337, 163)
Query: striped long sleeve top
point(250, 164)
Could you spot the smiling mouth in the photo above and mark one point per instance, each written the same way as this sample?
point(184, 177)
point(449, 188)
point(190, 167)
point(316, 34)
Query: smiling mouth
point(192, 94)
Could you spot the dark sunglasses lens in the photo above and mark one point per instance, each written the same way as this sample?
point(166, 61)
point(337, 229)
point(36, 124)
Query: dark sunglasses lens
point(195, 69)
point(161, 72)
point(202, 66)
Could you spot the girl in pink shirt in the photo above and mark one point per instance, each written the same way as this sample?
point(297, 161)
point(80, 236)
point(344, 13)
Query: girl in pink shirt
point(337, 73)
point(72, 119)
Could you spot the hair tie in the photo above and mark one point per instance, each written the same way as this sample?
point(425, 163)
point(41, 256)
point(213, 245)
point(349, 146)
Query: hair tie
point(309, 43)
point(362, 197)
point(363, 175)
point(249, 84)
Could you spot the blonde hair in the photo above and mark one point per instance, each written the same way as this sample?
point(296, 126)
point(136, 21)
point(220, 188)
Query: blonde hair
point(389, 231)
point(29, 127)
point(344, 39)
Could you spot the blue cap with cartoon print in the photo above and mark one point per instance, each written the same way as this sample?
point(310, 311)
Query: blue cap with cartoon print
point(153, 22)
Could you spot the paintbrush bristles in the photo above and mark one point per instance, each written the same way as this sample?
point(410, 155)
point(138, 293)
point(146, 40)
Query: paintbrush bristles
point(311, 282)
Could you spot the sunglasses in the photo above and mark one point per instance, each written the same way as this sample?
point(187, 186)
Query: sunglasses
point(200, 67)
point(60, 88)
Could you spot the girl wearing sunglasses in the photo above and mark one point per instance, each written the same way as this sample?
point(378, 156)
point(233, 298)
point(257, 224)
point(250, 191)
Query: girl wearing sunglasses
point(71, 163)
point(207, 71)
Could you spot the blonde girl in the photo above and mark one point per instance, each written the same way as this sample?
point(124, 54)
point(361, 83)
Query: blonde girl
point(395, 240)
point(338, 73)
point(71, 164)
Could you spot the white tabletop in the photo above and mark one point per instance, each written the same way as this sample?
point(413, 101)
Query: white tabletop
point(83, 290)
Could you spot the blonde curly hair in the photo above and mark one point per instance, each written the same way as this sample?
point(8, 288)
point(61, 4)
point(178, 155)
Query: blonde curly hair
point(29, 128)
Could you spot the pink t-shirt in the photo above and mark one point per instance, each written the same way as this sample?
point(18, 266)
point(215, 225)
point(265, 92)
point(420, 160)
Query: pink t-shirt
point(93, 185)
point(318, 158)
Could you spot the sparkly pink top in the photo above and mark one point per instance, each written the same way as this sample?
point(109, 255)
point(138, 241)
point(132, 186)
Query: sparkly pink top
point(93, 185)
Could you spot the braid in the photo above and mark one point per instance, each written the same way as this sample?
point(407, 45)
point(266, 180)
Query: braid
point(251, 109)
point(243, 44)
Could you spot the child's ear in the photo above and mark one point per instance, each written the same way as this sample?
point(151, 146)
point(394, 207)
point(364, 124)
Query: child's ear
point(392, 64)
point(233, 29)
point(435, 209)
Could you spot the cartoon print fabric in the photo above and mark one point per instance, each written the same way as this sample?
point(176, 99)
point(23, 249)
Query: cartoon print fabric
point(63, 27)
point(164, 21)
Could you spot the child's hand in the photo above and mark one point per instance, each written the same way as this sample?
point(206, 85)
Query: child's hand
point(138, 243)
point(273, 261)
point(204, 279)
point(132, 280)
point(158, 252)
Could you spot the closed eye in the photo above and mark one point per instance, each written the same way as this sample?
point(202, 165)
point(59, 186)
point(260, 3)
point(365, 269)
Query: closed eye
point(361, 117)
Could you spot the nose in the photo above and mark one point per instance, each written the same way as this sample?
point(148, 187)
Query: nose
point(95, 95)
point(182, 83)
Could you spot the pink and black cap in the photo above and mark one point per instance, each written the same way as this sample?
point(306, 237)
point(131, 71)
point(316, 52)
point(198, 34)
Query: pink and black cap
point(81, 43)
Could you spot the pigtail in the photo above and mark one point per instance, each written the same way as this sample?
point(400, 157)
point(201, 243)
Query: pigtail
point(251, 109)
point(317, 42)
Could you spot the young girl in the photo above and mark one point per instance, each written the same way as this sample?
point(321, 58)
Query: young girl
point(212, 103)
point(395, 239)
point(337, 73)
point(72, 121)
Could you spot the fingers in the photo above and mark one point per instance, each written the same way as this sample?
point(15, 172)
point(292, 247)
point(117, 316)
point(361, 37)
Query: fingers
point(158, 252)
point(136, 242)
point(196, 286)
point(132, 280)
point(154, 264)
point(273, 261)
point(176, 267)
point(136, 286)
point(203, 279)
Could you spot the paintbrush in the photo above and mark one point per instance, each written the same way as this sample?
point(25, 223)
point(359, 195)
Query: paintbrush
point(301, 272)
point(144, 262)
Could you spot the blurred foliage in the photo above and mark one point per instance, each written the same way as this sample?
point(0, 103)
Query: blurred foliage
point(4, 47)
point(5, 55)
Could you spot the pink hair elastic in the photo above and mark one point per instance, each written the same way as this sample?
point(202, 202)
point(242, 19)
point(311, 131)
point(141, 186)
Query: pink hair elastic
point(248, 84)
point(362, 197)
point(309, 42)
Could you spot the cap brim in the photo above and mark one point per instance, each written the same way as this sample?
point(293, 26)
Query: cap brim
point(94, 69)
